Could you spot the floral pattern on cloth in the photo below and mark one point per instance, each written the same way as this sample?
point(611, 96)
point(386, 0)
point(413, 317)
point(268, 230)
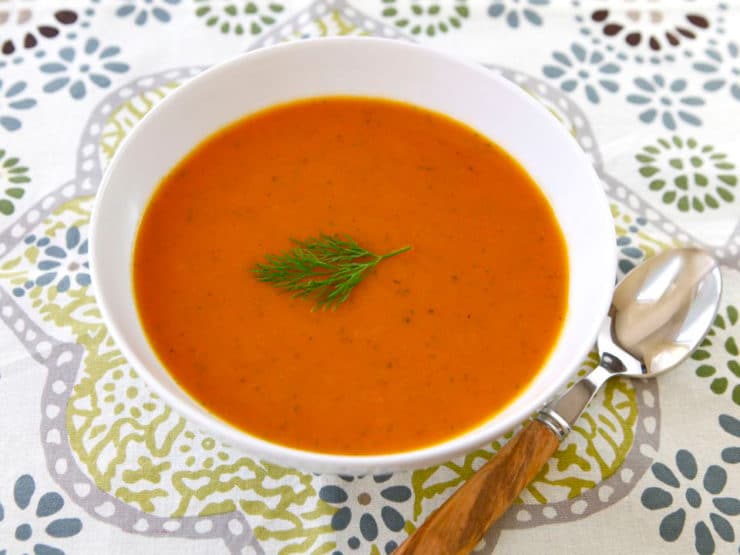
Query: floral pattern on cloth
point(25, 30)
point(645, 89)
point(34, 522)
point(703, 499)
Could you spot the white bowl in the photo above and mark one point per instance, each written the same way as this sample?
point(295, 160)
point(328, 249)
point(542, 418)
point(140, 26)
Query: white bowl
point(367, 67)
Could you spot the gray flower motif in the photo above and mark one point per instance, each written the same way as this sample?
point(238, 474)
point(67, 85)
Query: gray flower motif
point(713, 482)
point(13, 99)
point(60, 263)
point(630, 252)
point(370, 523)
point(580, 65)
point(90, 63)
point(141, 14)
point(713, 65)
point(49, 504)
point(731, 425)
point(510, 10)
point(656, 95)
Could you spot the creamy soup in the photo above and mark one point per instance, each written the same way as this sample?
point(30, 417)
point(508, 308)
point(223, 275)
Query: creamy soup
point(433, 342)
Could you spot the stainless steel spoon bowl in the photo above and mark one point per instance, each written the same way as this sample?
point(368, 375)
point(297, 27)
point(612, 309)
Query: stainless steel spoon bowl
point(660, 313)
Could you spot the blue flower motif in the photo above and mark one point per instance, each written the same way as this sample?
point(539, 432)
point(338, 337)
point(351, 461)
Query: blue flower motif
point(659, 96)
point(712, 66)
point(61, 263)
point(374, 494)
point(142, 13)
point(589, 67)
point(91, 62)
point(513, 13)
point(713, 482)
point(48, 505)
point(12, 99)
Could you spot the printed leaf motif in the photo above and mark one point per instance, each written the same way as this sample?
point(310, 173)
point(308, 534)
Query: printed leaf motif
point(593, 452)
point(122, 120)
point(151, 458)
point(428, 483)
point(332, 24)
point(128, 441)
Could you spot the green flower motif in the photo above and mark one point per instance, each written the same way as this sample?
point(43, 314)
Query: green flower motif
point(723, 329)
point(426, 16)
point(691, 175)
point(238, 17)
point(12, 178)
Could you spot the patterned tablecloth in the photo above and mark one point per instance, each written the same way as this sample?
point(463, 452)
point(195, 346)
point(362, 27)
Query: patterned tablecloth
point(92, 462)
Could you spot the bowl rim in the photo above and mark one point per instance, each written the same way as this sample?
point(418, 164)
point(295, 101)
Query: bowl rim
point(328, 462)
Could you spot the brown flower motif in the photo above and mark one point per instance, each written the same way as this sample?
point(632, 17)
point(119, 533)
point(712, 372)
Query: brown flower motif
point(21, 21)
point(657, 29)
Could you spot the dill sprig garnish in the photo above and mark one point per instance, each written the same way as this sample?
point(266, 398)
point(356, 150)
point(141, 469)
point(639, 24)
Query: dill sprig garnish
point(324, 269)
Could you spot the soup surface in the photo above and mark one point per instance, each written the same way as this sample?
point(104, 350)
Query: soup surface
point(430, 344)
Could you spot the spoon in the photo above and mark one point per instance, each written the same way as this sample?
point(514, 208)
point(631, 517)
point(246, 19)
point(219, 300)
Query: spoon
point(660, 313)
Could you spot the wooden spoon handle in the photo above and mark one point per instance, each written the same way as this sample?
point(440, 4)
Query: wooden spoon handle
point(459, 524)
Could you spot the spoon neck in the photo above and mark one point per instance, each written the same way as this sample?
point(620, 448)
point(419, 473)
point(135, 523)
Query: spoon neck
point(561, 414)
point(615, 358)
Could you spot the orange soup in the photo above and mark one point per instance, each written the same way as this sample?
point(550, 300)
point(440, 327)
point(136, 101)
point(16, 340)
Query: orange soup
point(429, 345)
